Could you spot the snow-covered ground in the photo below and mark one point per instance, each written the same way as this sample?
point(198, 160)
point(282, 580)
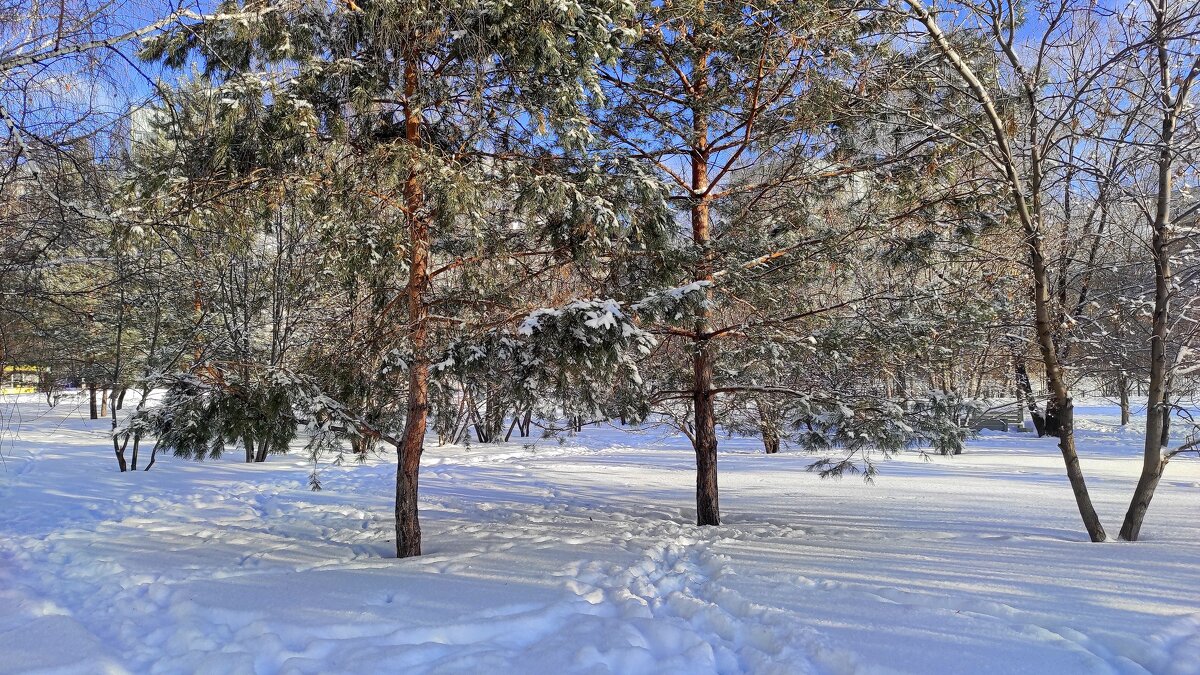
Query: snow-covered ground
point(580, 557)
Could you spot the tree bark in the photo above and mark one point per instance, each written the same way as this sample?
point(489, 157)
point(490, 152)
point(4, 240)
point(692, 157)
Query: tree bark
point(153, 456)
point(1165, 436)
point(93, 409)
point(771, 442)
point(1064, 409)
point(408, 527)
point(704, 438)
point(1025, 390)
point(768, 429)
point(118, 447)
point(119, 450)
point(1123, 386)
point(708, 511)
point(412, 443)
point(1158, 409)
point(1052, 426)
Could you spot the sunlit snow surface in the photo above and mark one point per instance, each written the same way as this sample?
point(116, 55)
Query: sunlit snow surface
point(579, 557)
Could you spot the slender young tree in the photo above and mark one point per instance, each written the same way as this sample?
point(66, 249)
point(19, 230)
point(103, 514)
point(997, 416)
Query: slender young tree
point(1170, 68)
point(1022, 153)
point(1084, 101)
point(726, 101)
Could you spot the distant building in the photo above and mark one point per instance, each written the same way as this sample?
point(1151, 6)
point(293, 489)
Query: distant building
point(20, 379)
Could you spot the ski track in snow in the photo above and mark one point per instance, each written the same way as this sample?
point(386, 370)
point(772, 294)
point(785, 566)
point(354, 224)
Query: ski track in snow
point(580, 558)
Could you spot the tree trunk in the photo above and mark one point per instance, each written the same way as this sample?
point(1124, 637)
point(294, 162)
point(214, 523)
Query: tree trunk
point(771, 442)
point(93, 409)
point(1025, 391)
point(1158, 403)
point(768, 429)
point(1158, 434)
point(412, 444)
point(704, 442)
point(408, 526)
point(118, 447)
point(248, 446)
point(489, 423)
point(153, 456)
point(708, 511)
point(1123, 386)
point(260, 455)
point(104, 394)
point(1131, 528)
point(1064, 409)
point(1165, 437)
point(1053, 422)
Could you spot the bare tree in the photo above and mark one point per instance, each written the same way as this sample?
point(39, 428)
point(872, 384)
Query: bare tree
point(1169, 66)
point(1021, 146)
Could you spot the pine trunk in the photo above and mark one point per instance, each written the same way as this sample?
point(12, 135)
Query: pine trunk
point(412, 444)
point(408, 526)
point(771, 443)
point(708, 510)
point(766, 426)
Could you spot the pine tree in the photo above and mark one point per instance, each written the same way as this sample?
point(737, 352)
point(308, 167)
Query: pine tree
point(445, 105)
point(739, 107)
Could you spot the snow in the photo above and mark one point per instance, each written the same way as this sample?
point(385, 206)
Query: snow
point(601, 315)
point(580, 557)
